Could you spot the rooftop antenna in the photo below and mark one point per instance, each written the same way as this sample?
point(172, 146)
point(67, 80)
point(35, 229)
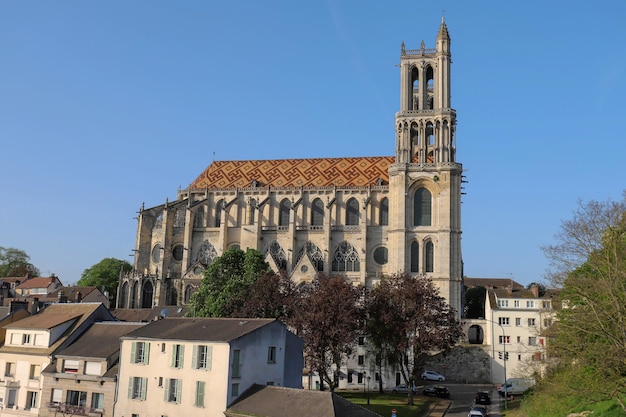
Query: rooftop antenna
point(213, 156)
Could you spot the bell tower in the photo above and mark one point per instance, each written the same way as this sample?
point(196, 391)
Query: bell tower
point(425, 180)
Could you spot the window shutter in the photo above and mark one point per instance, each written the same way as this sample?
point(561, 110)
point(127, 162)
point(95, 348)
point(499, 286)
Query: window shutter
point(182, 355)
point(200, 393)
point(167, 390)
point(179, 388)
point(209, 357)
point(130, 387)
point(194, 357)
point(173, 364)
point(144, 386)
point(146, 350)
point(133, 352)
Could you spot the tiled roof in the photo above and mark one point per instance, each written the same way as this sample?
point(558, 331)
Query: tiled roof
point(272, 401)
point(38, 282)
point(148, 314)
point(311, 172)
point(101, 340)
point(205, 329)
point(492, 283)
point(55, 314)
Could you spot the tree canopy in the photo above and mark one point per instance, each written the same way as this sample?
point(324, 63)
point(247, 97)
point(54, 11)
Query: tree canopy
point(589, 338)
point(407, 321)
point(475, 302)
point(105, 274)
point(328, 318)
point(16, 263)
point(226, 281)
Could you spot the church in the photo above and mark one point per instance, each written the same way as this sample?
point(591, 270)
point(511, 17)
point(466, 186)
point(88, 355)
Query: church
point(362, 217)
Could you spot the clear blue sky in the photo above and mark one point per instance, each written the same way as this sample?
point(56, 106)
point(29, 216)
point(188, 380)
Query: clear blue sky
point(108, 104)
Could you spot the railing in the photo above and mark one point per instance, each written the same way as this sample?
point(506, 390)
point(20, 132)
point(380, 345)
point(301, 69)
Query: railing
point(74, 409)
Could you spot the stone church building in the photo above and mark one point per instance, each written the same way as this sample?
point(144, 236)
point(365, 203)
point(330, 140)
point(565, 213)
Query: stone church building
point(358, 216)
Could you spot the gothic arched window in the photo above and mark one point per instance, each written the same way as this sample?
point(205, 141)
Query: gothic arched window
point(422, 208)
point(384, 212)
point(278, 254)
point(207, 253)
point(146, 295)
point(430, 257)
point(188, 293)
point(124, 296)
point(283, 217)
point(251, 210)
point(317, 213)
point(352, 212)
point(346, 259)
point(218, 213)
point(415, 257)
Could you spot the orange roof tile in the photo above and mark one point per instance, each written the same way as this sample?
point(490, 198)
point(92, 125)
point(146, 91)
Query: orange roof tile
point(310, 172)
point(38, 282)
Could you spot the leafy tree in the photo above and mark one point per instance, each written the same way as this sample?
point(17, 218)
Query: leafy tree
point(105, 274)
point(225, 284)
point(475, 302)
point(589, 341)
point(15, 263)
point(407, 321)
point(541, 287)
point(270, 296)
point(327, 319)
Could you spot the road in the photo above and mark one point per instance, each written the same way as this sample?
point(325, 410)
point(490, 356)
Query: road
point(462, 397)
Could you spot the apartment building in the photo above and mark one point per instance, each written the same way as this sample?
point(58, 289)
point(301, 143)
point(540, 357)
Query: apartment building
point(186, 366)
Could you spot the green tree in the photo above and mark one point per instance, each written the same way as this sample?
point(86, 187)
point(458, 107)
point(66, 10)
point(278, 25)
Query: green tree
point(408, 320)
point(270, 296)
point(223, 290)
point(16, 263)
point(475, 302)
point(330, 311)
point(105, 274)
point(589, 340)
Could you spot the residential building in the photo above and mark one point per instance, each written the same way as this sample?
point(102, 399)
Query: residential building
point(38, 286)
point(82, 379)
point(187, 366)
point(30, 344)
point(513, 331)
point(271, 401)
point(77, 294)
point(358, 216)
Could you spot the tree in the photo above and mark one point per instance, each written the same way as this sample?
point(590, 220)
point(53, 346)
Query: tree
point(475, 302)
point(407, 321)
point(329, 313)
point(105, 275)
point(589, 341)
point(15, 263)
point(226, 281)
point(270, 296)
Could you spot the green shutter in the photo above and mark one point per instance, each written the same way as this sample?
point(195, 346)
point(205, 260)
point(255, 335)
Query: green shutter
point(179, 388)
point(146, 356)
point(182, 356)
point(130, 387)
point(194, 357)
point(199, 393)
point(167, 390)
point(133, 352)
point(173, 364)
point(144, 388)
point(209, 357)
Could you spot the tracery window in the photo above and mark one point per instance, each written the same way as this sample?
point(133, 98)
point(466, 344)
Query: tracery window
point(158, 222)
point(317, 213)
point(199, 220)
point(422, 207)
point(251, 210)
point(346, 259)
point(352, 212)
point(278, 254)
point(315, 255)
point(207, 253)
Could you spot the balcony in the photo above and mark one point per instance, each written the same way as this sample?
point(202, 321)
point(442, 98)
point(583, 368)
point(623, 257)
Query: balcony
point(77, 410)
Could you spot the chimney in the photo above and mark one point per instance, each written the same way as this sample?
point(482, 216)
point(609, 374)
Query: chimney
point(535, 290)
point(34, 305)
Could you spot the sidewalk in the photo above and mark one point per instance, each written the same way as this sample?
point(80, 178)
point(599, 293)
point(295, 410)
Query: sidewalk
point(440, 408)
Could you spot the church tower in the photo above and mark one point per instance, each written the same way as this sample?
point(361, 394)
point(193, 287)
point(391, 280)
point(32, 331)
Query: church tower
point(425, 180)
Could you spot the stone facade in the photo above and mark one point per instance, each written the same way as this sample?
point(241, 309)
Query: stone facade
point(358, 216)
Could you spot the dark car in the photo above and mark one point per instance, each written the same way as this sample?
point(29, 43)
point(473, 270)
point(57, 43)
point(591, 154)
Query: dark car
point(482, 397)
point(437, 391)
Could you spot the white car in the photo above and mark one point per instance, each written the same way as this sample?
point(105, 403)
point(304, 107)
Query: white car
point(433, 376)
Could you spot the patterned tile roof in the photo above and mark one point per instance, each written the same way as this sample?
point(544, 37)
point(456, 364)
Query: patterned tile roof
point(311, 172)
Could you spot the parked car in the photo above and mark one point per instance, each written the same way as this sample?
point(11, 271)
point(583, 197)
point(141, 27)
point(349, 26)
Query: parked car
point(515, 386)
point(402, 389)
point(482, 397)
point(436, 391)
point(474, 413)
point(433, 376)
point(481, 409)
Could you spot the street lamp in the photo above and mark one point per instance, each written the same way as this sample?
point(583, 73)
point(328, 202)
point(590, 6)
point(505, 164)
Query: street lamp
point(504, 357)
